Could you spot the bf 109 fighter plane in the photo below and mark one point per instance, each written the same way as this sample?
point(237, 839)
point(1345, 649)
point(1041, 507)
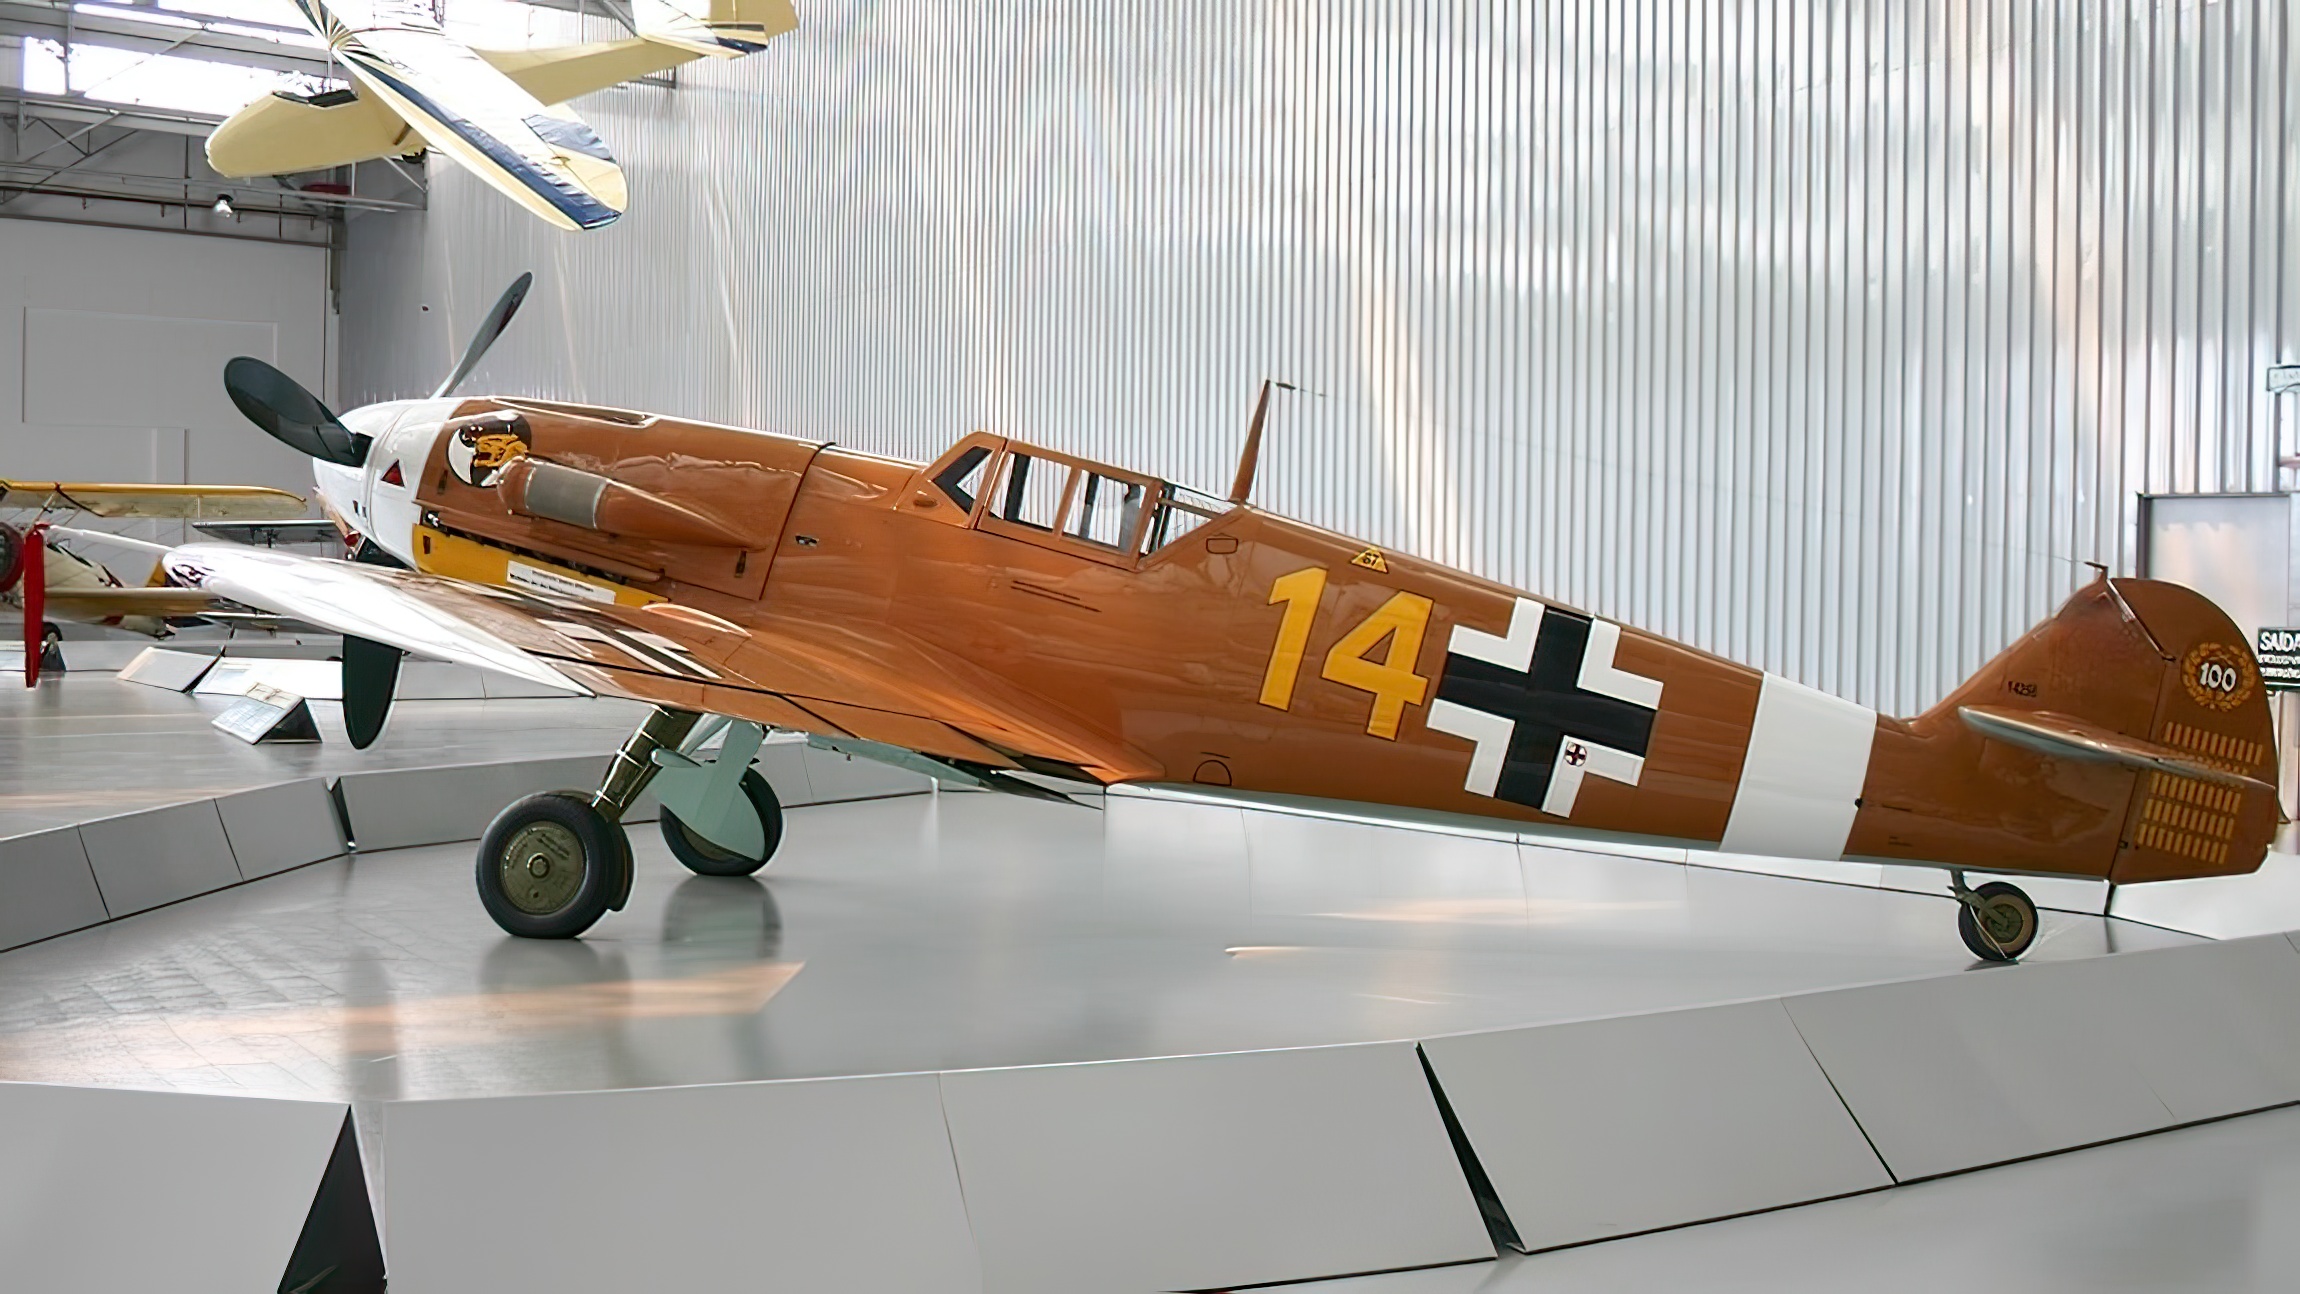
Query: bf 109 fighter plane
point(500, 113)
point(1007, 609)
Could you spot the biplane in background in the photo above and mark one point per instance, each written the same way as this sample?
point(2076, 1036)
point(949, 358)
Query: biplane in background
point(500, 114)
point(1009, 610)
point(66, 580)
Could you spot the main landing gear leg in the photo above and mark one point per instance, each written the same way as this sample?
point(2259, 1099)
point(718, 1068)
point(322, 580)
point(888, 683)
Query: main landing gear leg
point(1997, 920)
point(552, 864)
point(720, 818)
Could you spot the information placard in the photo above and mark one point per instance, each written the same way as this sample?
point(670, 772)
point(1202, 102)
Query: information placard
point(2279, 653)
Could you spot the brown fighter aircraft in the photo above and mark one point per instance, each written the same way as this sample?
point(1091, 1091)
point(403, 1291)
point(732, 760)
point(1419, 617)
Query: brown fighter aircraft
point(1009, 610)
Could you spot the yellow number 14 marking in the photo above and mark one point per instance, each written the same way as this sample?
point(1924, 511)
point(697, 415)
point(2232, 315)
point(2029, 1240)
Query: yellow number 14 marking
point(1402, 620)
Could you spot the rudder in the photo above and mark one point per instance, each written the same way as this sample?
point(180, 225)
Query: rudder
point(2213, 708)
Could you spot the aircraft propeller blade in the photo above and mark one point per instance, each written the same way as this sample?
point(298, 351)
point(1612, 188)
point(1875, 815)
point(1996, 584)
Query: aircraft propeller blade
point(490, 328)
point(295, 417)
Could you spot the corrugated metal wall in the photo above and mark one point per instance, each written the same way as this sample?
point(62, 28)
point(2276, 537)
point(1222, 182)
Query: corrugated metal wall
point(1831, 335)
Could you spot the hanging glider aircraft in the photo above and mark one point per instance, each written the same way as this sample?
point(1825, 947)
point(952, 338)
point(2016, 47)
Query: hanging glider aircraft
point(1009, 610)
point(501, 114)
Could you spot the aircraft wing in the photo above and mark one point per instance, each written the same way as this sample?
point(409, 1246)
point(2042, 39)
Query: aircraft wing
point(544, 158)
point(830, 681)
point(174, 502)
point(285, 134)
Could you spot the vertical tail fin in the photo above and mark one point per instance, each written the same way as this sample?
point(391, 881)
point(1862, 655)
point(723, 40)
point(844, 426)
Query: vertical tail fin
point(2214, 710)
point(2128, 737)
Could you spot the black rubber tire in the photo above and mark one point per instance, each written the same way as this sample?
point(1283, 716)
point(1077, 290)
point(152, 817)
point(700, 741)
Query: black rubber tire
point(706, 859)
point(565, 821)
point(2014, 929)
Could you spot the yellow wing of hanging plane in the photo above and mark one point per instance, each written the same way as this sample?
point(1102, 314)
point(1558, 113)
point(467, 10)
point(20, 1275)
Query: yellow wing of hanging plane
point(283, 134)
point(169, 502)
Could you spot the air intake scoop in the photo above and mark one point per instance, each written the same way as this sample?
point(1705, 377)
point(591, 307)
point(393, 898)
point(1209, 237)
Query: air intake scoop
point(534, 487)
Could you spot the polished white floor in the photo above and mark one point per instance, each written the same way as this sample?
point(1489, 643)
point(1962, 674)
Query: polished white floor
point(940, 932)
point(85, 745)
point(2213, 1209)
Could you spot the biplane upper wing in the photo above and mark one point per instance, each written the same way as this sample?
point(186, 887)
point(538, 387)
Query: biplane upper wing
point(833, 682)
point(171, 502)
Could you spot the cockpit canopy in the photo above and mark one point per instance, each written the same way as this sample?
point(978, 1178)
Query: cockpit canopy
point(1065, 502)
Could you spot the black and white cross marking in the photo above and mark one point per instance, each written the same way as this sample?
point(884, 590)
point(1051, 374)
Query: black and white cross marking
point(653, 652)
point(1543, 707)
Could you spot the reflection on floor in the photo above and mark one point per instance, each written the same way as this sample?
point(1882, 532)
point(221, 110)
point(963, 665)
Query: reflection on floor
point(943, 932)
point(87, 746)
point(2210, 1209)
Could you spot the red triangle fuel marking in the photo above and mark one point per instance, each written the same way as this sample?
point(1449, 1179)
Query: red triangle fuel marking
point(391, 474)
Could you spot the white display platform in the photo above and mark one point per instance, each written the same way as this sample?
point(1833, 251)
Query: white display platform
point(805, 1185)
point(46, 887)
point(162, 667)
point(143, 860)
point(1207, 1172)
point(104, 1191)
point(1962, 1071)
point(273, 828)
point(1609, 1127)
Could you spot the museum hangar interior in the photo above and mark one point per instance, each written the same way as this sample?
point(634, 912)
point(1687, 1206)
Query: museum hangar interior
point(1369, 648)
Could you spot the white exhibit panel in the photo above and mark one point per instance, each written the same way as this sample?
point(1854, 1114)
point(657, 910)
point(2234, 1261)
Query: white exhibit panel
point(161, 667)
point(826, 1184)
point(96, 655)
point(2213, 1027)
point(1207, 1172)
point(2219, 907)
point(143, 860)
point(1609, 1127)
point(1961, 1071)
point(273, 828)
point(46, 886)
point(105, 1191)
point(398, 808)
point(832, 777)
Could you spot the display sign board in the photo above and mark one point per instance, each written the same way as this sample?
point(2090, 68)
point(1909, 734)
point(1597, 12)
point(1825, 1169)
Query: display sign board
point(268, 714)
point(2279, 653)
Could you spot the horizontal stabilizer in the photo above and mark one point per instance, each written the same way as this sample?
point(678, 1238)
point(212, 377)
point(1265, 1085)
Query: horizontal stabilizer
point(2068, 738)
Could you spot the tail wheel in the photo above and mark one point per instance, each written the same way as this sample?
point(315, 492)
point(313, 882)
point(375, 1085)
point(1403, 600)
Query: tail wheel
point(706, 859)
point(551, 865)
point(1998, 922)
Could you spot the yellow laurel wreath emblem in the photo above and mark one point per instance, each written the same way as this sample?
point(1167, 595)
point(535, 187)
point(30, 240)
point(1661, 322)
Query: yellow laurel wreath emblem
point(2218, 676)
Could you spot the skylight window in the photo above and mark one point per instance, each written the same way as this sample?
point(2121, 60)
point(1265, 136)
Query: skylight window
point(173, 81)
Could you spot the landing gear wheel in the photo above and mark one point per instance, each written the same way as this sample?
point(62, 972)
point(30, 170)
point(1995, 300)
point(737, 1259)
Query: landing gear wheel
point(1999, 923)
point(706, 859)
point(551, 865)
